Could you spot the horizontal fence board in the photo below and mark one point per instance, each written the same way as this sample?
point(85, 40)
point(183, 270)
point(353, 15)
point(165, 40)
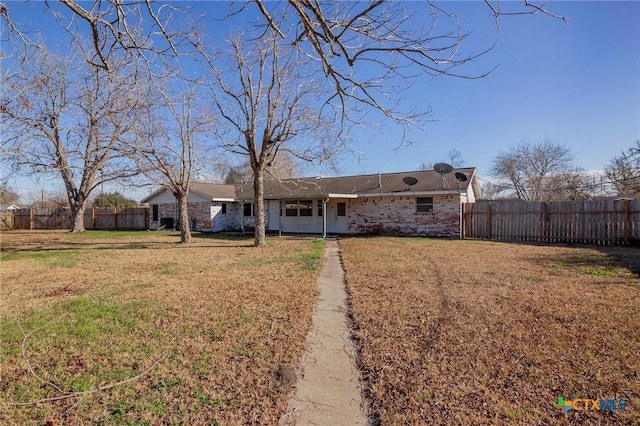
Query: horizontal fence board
point(589, 222)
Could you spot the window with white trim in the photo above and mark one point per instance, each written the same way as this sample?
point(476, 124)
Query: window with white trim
point(298, 208)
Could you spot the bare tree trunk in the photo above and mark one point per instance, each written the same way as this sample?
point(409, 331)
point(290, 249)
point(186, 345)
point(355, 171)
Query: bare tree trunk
point(183, 218)
point(258, 196)
point(77, 217)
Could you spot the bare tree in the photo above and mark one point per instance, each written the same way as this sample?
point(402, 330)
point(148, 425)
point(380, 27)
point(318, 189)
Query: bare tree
point(454, 158)
point(624, 171)
point(282, 167)
point(387, 39)
point(59, 115)
point(540, 171)
point(47, 200)
point(172, 143)
point(269, 102)
point(491, 190)
point(8, 196)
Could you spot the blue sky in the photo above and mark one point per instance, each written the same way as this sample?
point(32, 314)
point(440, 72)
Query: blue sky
point(576, 83)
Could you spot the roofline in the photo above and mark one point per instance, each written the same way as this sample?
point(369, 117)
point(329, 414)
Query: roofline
point(145, 199)
point(370, 174)
point(361, 195)
point(417, 193)
point(316, 195)
point(194, 191)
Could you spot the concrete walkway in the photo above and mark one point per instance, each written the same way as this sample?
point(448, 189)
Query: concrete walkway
point(328, 389)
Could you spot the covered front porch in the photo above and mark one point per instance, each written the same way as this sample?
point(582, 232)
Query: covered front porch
point(322, 214)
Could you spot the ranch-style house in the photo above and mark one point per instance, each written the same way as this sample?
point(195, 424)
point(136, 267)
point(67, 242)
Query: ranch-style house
point(424, 203)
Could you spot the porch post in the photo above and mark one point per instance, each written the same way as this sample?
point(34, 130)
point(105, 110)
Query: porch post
point(280, 218)
point(324, 218)
point(242, 217)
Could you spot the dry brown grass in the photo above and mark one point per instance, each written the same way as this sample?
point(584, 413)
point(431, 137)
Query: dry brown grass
point(474, 332)
point(227, 315)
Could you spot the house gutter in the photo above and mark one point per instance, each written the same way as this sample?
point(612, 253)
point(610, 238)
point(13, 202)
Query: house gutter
point(324, 218)
point(297, 197)
point(409, 193)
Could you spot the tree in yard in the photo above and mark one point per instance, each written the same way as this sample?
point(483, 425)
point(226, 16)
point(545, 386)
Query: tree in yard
point(113, 200)
point(58, 114)
point(172, 142)
point(541, 171)
point(624, 171)
point(268, 101)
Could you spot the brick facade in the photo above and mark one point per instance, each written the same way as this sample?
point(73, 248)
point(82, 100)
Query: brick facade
point(366, 215)
point(398, 216)
point(199, 215)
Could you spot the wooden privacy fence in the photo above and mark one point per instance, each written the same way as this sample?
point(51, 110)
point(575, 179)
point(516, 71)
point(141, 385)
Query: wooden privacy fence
point(96, 218)
point(588, 222)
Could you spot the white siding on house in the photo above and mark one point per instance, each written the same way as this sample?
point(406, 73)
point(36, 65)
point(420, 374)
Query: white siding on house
point(296, 224)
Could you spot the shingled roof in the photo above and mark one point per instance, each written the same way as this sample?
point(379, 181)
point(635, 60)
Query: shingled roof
point(384, 183)
point(428, 181)
point(214, 190)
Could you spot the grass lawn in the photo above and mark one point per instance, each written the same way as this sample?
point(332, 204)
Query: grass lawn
point(147, 331)
point(475, 332)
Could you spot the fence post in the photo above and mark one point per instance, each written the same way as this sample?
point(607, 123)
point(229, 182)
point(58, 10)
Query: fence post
point(462, 214)
point(488, 221)
point(93, 218)
point(115, 219)
point(31, 223)
point(545, 222)
point(625, 222)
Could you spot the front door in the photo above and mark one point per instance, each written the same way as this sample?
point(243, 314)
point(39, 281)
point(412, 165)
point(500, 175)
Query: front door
point(337, 217)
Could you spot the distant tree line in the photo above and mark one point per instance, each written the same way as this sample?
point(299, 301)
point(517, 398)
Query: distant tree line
point(545, 171)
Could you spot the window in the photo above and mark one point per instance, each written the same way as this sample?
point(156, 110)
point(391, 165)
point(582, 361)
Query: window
point(341, 209)
point(248, 209)
point(424, 204)
point(298, 208)
point(291, 208)
point(320, 212)
point(223, 210)
point(306, 207)
point(154, 212)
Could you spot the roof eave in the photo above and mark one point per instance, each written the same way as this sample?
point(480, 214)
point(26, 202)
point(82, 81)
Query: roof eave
point(412, 193)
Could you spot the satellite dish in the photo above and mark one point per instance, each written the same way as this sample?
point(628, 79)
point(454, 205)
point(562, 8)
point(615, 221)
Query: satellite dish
point(442, 168)
point(461, 177)
point(410, 180)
